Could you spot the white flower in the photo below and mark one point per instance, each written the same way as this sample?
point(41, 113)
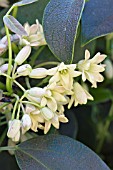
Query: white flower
point(80, 96)
point(64, 74)
point(90, 68)
point(23, 55)
point(14, 130)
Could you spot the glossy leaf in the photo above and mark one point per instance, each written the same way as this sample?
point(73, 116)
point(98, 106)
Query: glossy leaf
point(100, 95)
point(97, 19)
point(14, 25)
point(56, 152)
point(24, 2)
point(61, 19)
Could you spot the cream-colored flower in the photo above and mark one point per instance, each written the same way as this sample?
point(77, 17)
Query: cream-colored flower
point(35, 116)
point(35, 35)
point(80, 95)
point(64, 74)
point(91, 68)
point(14, 130)
point(4, 3)
point(55, 121)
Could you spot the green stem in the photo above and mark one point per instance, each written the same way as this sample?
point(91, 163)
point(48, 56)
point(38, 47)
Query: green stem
point(35, 55)
point(105, 130)
point(8, 81)
point(14, 109)
point(5, 148)
point(19, 85)
point(32, 103)
point(10, 10)
point(47, 63)
point(18, 113)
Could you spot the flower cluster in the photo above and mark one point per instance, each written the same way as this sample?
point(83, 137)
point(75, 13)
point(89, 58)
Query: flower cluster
point(43, 107)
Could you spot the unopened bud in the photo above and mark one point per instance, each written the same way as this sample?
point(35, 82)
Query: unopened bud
point(4, 68)
point(24, 70)
point(109, 69)
point(23, 55)
point(47, 113)
point(14, 128)
point(37, 92)
point(26, 123)
point(3, 48)
point(38, 73)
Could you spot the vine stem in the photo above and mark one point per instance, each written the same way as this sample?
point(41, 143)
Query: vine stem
point(47, 63)
point(8, 80)
point(105, 130)
point(19, 85)
point(5, 148)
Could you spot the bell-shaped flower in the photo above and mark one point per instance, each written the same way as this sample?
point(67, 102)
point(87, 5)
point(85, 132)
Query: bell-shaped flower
point(55, 121)
point(64, 74)
point(14, 130)
point(24, 70)
point(35, 35)
point(26, 123)
point(38, 73)
point(37, 92)
point(23, 55)
point(91, 68)
point(80, 96)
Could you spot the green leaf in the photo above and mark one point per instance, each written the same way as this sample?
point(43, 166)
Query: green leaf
point(56, 152)
point(14, 25)
point(60, 22)
point(97, 19)
point(100, 95)
point(24, 2)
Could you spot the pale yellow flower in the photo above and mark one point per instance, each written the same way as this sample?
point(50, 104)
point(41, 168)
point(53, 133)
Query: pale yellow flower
point(80, 96)
point(55, 121)
point(91, 68)
point(64, 74)
point(35, 35)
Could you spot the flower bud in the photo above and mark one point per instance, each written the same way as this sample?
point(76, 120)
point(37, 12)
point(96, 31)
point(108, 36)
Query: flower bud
point(37, 92)
point(4, 68)
point(26, 123)
point(17, 137)
point(109, 69)
point(23, 55)
point(38, 73)
point(24, 70)
point(14, 128)
point(47, 113)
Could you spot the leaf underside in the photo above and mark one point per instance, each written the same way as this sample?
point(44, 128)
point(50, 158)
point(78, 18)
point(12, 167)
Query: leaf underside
point(97, 19)
point(57, 152)
point(60, 22)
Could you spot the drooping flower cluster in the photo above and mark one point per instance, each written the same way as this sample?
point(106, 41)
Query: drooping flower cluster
point(43, 107)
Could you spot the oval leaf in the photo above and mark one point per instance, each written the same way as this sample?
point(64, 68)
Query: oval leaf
point(24, 2)
point(14, 25)
point(56, 152)
point(60, 22)
point(97, 19)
